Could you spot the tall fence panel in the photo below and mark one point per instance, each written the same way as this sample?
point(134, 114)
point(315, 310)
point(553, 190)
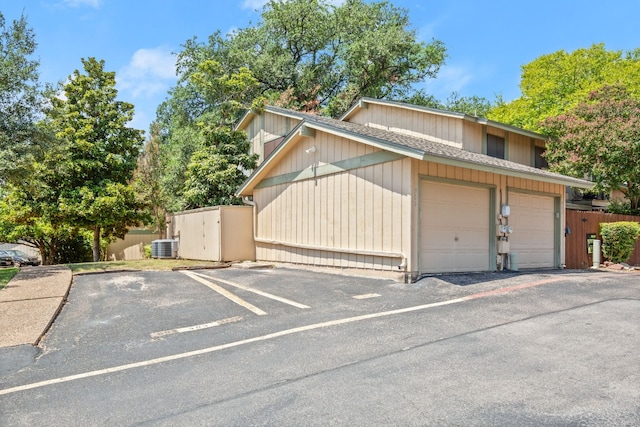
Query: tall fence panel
point(582, 228)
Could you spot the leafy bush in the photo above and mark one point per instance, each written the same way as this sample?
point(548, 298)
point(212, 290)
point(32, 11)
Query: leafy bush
point(147, 251)
point(619, 239)
point(622, 207)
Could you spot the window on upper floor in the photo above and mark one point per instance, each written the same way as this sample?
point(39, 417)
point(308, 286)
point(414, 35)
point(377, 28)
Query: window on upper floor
point(539, 161)
point(495, 146)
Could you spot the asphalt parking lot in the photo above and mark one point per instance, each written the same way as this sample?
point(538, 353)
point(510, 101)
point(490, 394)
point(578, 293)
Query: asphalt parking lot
point(295, 347)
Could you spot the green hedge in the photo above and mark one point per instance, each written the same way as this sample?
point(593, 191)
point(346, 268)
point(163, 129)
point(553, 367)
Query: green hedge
point(619, 239)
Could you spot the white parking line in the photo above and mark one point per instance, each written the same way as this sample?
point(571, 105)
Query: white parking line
point(365, 296)
point(196, 327)
point(271, 336)
point(225, 293)
point(255, 291)
point(216, 348)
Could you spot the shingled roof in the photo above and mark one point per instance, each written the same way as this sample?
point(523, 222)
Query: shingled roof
point(410, 146)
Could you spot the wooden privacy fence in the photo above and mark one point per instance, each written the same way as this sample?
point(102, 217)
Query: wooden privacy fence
point(582, 228)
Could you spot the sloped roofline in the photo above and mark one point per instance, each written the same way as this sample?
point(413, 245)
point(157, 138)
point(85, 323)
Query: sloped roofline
point(363, 101)
point(250, 114)
point(417, 148)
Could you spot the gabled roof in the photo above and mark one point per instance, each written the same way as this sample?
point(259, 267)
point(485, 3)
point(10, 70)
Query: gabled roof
point(364, 101)
point(250, 114)
point(417, 148)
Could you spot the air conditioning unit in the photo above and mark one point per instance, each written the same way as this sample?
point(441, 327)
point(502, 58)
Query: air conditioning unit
point(165, 248)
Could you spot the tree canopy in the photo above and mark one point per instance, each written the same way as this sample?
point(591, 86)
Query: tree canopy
point(99, 154)
point(554, 83)
point(19, 94)
point(307, 55)
point(311, 54)
point(600, 138)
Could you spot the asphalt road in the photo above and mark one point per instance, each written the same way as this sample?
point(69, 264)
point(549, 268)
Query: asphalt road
point(290, 348)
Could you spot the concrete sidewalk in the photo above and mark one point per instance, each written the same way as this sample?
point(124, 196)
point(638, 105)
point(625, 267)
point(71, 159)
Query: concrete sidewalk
point(30, 302)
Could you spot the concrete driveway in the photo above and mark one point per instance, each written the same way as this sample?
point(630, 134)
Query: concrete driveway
point(293, 347)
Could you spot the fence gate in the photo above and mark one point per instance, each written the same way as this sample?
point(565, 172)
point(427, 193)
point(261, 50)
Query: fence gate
point(582, 228)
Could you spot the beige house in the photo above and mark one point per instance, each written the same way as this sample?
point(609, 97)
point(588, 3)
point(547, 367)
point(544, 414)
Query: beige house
point(398, 187)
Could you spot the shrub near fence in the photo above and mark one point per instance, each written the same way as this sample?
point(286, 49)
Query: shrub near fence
point(619, 240)
point(584, 226)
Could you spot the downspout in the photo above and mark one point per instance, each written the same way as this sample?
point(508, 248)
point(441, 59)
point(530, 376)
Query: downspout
point(402, 256)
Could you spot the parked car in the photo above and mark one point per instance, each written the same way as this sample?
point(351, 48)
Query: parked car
point(6, 260)
point(20, 258)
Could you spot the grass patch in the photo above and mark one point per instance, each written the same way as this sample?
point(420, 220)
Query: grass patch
point(6, 274)
point(143, 264)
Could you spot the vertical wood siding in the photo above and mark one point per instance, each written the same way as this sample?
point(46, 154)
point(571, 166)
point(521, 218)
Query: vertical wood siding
point(447, 130)
point(520, 149)
point(266, 128)
point(452, 131)
point(362, 209)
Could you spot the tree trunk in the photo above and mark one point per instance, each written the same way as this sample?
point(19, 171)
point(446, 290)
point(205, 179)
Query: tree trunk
point(96, 244)
point(45, 253)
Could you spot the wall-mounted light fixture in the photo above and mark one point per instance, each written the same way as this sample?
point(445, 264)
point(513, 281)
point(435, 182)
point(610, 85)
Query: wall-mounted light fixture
point(310, 150)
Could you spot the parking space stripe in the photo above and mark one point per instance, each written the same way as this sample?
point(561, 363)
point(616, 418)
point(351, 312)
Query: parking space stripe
point(271, 336)
point(196, 327)
point(225, 293)
point(365, 296)
point(256, 291)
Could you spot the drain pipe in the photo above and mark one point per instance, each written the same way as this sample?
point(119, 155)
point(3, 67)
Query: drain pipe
point(402, 256)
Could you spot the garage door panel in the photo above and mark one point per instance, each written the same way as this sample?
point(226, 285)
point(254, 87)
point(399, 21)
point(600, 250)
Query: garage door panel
point(533, 221)
point(454, 228)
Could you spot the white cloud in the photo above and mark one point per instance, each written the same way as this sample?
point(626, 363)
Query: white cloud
point(149, 72)
point(253, 4)
point(451, 78)
point(77, 3)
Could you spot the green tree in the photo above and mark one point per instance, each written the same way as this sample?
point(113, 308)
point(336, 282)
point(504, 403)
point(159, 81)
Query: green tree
point(219, 167)
point(148, 179)
point(23, 217)
point(600, 138)
point(471, 105)
point(555, 83)
point(216, 171)
point(311, 54)
point(20, 95)
point(29, 209)
point(100, 154)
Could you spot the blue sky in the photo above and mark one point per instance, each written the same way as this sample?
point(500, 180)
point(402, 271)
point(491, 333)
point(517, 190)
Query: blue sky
point(487, 42)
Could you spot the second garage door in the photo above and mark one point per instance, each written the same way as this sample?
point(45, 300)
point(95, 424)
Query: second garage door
point(533, 239)
point(454, 231)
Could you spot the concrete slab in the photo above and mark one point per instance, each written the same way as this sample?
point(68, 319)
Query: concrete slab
point(37, 282)
point(24, 322)
point(30, 302)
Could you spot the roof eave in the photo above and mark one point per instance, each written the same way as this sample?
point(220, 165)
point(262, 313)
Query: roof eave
point(552, 179)
point(247, 186)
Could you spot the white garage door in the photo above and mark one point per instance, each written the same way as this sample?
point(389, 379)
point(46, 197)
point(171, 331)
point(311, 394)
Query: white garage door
point(533, 239)
point(454, 233)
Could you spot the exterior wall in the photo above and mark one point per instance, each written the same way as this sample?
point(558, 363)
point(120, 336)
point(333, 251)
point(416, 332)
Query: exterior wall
point(219, 233)
point(359, 209)
point(132, 246)
point(447, 130)
point(453, 131)
point(267, 129)
point(501, 183)
point(472, 137)
point(520, 149)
